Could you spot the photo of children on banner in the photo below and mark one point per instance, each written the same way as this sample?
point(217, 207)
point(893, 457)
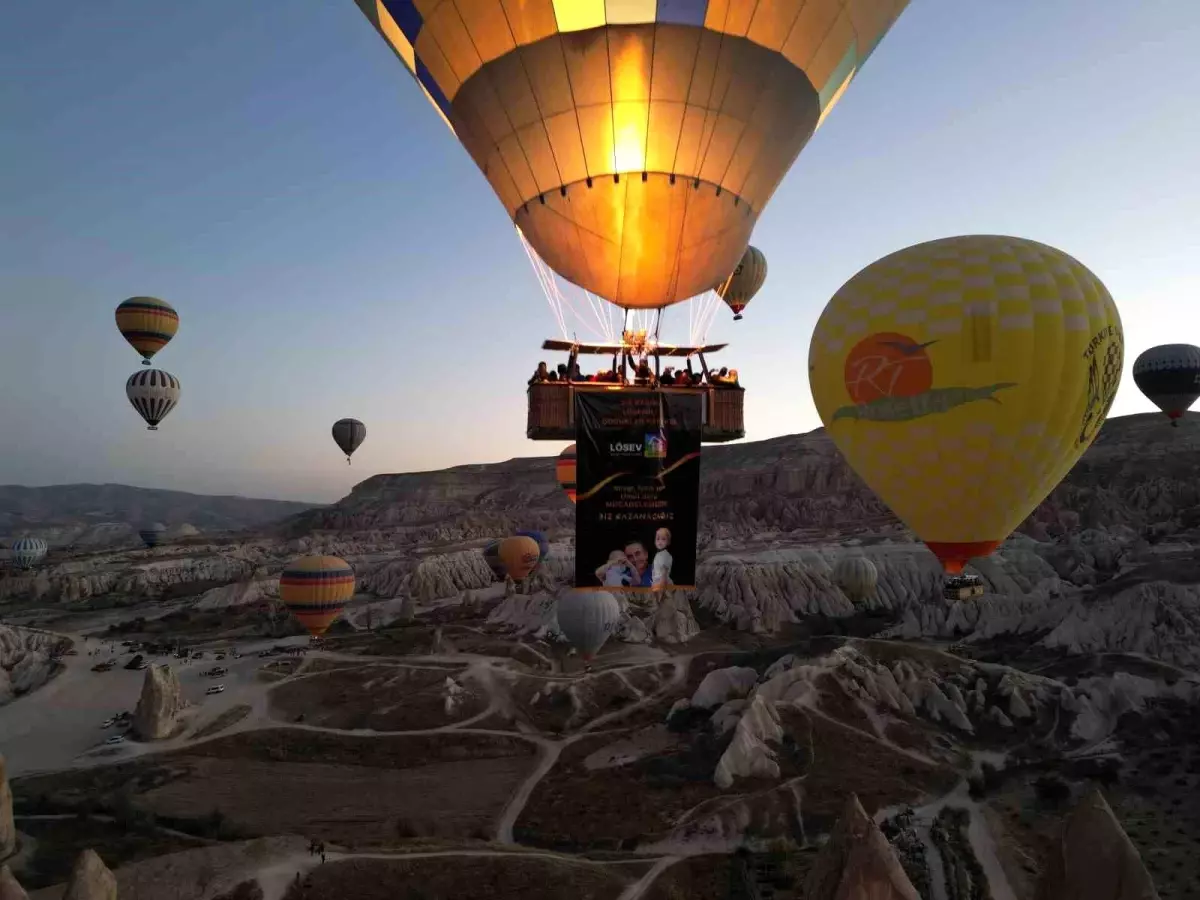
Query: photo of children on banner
point(631, 567)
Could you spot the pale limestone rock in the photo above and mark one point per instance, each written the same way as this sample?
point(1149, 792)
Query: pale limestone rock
point(161, 702)
point(1094, 859)
point(857, 863)
point(9, 889)
point(91, 879)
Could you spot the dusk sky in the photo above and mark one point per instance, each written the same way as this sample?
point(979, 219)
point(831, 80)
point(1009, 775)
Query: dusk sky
point(272, 171)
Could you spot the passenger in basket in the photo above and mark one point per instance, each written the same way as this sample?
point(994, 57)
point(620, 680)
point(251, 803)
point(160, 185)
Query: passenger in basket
point(542, 373)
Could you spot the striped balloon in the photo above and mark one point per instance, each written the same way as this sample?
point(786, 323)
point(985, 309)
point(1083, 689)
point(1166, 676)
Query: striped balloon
point(148, 324)
point(740, 287)
point(564, 470)
point(152, 534)
point(315, 589)
point(27, 552)
point(153, 394)
point(349, 434)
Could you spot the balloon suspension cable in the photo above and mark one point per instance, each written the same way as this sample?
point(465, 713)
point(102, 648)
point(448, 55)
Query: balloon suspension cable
point(597, 323)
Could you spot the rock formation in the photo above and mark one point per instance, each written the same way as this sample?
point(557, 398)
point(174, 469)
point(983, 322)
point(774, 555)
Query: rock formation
point(9, 889)
point(8, 830)
point(160, 703)
point(857, 863)
point(1094, 859)
point(90, 879)
point(26, 660)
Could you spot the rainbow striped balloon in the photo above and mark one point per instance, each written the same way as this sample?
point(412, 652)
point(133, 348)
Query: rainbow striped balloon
point(148, 324)
point(315, 589)
point(564, 470)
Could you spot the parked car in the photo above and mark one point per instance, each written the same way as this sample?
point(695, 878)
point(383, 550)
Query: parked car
point(116, 739)
point(109, 723)
point(216, 689)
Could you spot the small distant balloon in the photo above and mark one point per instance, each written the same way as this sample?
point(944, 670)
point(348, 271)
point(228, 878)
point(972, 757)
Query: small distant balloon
point(856, 575)
point(349, 434)
point(27, 552)
point(746, 281)
point(564, 471)
point(148, 324)
point(1169, 376)
point(315, 589)
point(543, 544)
point(519, 555)
point(152, 534)
point(153, 394)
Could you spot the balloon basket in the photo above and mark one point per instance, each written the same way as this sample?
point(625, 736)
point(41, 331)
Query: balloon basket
point(738, 317)
point(145, 362)
point(152, 428)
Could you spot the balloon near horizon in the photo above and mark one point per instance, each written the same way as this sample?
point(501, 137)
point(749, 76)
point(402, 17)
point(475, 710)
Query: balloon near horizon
point(634, 144)
point(962, 378)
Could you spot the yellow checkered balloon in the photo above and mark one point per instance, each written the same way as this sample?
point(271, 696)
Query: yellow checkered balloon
point(963, 378)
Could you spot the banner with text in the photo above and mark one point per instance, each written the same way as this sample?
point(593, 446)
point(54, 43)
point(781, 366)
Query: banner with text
point(637, 483)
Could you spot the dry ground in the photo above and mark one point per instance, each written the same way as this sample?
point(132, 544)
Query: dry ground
point(460, 878)
point(377, 697)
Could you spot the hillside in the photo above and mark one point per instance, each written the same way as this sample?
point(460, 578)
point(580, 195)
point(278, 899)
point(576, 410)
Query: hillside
point(105, 514)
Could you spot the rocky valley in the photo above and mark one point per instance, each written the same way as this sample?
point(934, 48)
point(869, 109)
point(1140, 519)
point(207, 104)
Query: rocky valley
point(763, 736)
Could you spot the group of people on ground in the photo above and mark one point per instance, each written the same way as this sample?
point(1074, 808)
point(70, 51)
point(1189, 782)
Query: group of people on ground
point(643, 376)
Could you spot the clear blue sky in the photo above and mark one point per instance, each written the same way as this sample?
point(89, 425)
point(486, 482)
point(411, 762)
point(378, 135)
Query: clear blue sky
point(273, 171)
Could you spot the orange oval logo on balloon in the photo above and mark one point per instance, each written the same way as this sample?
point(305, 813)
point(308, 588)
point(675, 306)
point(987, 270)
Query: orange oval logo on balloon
point(888, 365)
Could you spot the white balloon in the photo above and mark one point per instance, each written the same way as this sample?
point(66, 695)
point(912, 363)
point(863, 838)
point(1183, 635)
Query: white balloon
point(153, 394)
point(856, 575)
point(587, 618)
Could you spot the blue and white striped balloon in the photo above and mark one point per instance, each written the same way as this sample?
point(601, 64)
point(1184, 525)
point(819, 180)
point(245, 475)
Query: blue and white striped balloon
point(27, 552)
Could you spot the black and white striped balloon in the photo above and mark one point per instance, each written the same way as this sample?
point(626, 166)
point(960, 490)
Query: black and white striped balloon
point(153, 394)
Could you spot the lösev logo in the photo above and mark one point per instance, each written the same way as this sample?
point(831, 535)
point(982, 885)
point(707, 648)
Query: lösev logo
point(625, 448)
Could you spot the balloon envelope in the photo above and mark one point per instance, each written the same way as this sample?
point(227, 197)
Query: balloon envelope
point(315, 589)
point(587, 619)
point(962, 379)
point(27, 552)
point(349, 434)
point(519, 555)
point(1169, 376)
point(746, 281)
point(152, 534)
point(153, 394)
point(634, 147)
point(856, 575)
point(564, 471)
point(147, 323)
point(543, 544)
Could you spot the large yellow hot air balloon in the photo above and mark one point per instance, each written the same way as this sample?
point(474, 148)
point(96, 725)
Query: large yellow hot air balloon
point(634, 143)
point(315, 589)
point(962, 379)
point(148, 324)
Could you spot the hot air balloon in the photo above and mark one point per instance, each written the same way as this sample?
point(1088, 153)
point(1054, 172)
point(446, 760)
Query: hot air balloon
point(315, 589)
point(152, 534)
point(519, 555)
point(636, 144)
point(148, 324)
point(1169, 376)
point(740, 287)
point(962, 378)
point(349, 435)
point(491, 556)
point(564, 471)
point(27, 552)
point(153, 394)
point(856, 575)
point(543, 544)
point(587, 619)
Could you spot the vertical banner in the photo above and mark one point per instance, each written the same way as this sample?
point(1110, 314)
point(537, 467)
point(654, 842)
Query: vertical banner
point(637, 489)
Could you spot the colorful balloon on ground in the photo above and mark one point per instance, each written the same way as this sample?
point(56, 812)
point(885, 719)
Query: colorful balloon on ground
point(315, 589)
point(153, 394)
point(148, 324)
point(587, 619)
point(27, 552)
point(564, 471)
point(962, 378)
point(1169, 376)
point(856, 576)
point(349, 434)
point(152, 534)
point(635, 148)
point(740, 287)
point(519, 555)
